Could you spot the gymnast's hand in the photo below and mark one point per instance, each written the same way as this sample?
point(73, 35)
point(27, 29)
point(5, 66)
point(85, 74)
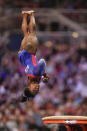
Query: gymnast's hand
point(45, 78)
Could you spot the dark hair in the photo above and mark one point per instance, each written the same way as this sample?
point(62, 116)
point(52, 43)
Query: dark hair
point(34, 79)
point(28, 93)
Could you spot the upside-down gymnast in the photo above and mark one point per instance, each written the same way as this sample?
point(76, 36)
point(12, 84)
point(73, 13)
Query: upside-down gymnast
point(34, 69)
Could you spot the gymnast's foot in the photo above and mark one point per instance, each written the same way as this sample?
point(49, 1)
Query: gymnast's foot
point(28, 12)
point(24, 12)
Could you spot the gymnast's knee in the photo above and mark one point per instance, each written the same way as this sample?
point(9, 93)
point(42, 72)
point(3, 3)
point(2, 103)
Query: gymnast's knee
point(42, 62)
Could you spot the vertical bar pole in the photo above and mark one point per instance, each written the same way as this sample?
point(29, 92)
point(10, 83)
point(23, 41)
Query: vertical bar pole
point(68, 128)
point(83, 127)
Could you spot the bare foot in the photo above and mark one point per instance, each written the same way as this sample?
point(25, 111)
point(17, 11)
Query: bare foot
point(24, 12)
point(30, 12)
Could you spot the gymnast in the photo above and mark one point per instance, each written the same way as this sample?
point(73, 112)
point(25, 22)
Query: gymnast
point(34, 69)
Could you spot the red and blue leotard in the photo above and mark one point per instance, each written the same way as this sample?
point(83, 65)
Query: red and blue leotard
point(33, 67)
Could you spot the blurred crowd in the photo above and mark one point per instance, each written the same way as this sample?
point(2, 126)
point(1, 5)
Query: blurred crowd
point(71, 4)
point(64, 94)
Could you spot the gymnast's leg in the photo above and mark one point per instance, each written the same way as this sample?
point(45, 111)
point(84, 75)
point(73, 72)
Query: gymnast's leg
point(32, 25)
point(24, 23)
point(24, 30)
point(32, 44)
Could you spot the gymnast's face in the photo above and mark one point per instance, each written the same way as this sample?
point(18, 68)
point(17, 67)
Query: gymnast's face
point(33, 85)
point(34, 88)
